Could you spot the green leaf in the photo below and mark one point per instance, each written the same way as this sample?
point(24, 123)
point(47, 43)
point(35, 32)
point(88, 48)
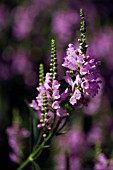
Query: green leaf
point(60, 133)
point(46, 146)
point(33, 123)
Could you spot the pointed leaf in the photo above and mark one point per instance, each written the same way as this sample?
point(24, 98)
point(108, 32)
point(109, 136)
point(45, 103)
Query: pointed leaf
point(46, 146)
point(60, 133)
point(34, 122)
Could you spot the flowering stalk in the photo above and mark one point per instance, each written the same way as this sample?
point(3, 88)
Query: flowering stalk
point(41, 74)
point(83, 45)
point(53, 64)
point(54, 104)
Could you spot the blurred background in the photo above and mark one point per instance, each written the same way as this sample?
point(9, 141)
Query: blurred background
point(26, 29)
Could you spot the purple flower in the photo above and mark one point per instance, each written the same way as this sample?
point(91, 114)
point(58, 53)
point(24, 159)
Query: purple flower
point(101, 162)
point(78, 80)
point(24, 133)
point(93, 89)
point(84, 69)
point(55, 94)
point(14, 157)
point(85, 84)
point(48, 83)
point(76, 96)
point(16, 134)
point(65, 94)
point(34, 105)
point(63, 22)
point(49, 104)
point(85, 75)
point(80, 59)
point(70, 146)
point(20, 64)
point(70, 63)
point(70, 59)
point(95, 134)
point(75, 163)
point(94, 103)
point(55, 105)
point(73, 100)
point(61, 112)
point(101, 44)
point(55, 84)
point(68, 78)
point(23, 22)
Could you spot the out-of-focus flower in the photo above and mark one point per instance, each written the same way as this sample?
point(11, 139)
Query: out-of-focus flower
point(23, 22)
point(95, 134)
point(42, 5)
point(63, 23)
point(20, 62)
point(22, 65)
point(101, 162)
point(4, 16)
point(95, 103)
point(101, 44)
point(5, 72)
point(16, 135)
point(70, 151)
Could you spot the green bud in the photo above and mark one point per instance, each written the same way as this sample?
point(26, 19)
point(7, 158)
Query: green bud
point(83, 45)
point(41, 74)
point(53, 64)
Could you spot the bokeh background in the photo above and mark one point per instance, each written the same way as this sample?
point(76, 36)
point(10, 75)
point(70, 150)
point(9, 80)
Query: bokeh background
point(26, 29)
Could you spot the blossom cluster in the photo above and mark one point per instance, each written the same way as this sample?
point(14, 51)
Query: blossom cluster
point(48, 94)
point(15, 138)
point(82, 81)
point(47, 103)
point(58, 97)
point(72, 153)
point(103, 163)
point(82, 76)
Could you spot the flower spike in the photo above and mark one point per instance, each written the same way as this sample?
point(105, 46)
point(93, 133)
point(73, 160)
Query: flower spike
point(53, 63)
point(83, 45)
point(41, 74)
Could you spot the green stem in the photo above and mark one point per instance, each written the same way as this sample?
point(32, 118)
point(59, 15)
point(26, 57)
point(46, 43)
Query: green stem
point(39, 139)
point(62, 125)
point(57, 126)
point(35, 153)
point(23, 164)
point(38, 154)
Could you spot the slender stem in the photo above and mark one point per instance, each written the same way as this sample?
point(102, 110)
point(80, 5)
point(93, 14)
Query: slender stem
point(39, 139)
point(38, 154)
point(30, 157)
point(38, 149)
point(35, 153)
point(23, 164)
point(62, 125)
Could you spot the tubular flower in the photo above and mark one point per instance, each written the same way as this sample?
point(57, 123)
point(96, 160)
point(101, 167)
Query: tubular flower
point(49, 107)
point(85, 79)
